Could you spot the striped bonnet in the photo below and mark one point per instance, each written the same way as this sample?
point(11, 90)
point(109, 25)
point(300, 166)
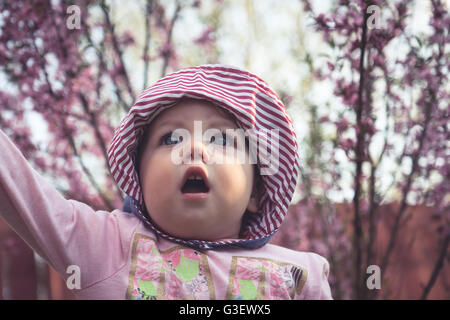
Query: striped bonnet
point(255, 107)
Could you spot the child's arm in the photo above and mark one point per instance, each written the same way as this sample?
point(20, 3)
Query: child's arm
point(317, 286)
point(63, 232)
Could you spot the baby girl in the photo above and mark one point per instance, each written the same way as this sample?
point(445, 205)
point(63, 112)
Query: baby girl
point(207, 158)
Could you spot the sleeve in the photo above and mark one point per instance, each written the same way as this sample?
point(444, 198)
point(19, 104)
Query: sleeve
point(65, 233)
point(316, 286)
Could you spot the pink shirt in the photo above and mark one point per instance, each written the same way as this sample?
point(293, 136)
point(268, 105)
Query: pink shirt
point(118, 258)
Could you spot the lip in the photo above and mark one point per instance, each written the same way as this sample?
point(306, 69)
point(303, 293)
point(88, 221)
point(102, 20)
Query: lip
point(194, 196)
point(195, 171)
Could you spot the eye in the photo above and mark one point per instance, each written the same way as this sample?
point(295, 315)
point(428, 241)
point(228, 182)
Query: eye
point(221, 139)
point(170, 139)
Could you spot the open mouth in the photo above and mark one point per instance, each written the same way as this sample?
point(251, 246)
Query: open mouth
point(194, 185)
point(195, 181)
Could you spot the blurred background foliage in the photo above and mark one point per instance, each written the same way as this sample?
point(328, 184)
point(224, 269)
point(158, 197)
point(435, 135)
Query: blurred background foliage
point(365, 82)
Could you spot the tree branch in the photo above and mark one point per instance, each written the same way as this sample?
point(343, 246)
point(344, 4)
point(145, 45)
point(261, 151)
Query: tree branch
point(101, 142)
point(415, 161)
point(146, 55)
point(117, 49)
point(68, 136)
point(103, 67)
point(359, 158)
point(166, 55)
point(94, 124)
point(437, 268)
point(406, 190)
point(88, 173)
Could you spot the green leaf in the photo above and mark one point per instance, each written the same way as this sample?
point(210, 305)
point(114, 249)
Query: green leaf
point(248, 289)
point(147, 287)
point(187, 269)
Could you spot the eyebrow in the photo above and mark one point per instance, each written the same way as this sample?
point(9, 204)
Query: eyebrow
point(217, 120)
point(167, 122)
point(211, 121)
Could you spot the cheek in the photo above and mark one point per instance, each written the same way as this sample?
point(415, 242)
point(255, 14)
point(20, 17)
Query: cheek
point(235, 181)
point(157, 177)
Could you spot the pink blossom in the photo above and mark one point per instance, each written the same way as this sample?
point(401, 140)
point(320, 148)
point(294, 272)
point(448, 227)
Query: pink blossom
point(207, 36)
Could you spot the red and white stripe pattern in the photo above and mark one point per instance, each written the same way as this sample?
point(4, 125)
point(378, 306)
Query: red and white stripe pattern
point(254, 105)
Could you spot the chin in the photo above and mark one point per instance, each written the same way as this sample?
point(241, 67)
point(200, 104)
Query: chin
point(196, 235)
point(198, 227)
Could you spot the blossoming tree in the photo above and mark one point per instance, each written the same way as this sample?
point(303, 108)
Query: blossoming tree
point(389, 137)
point(72, 70)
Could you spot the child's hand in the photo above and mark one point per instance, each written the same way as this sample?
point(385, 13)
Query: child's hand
point(187, 269)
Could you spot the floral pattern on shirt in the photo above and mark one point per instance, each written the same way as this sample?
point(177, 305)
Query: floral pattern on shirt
point(184, 273)
point(260, 278)
point(178, 273)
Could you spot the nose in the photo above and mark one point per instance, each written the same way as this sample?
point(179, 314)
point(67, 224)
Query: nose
point(198, 152)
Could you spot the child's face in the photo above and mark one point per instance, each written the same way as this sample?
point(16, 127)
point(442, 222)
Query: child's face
point(210, 213)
